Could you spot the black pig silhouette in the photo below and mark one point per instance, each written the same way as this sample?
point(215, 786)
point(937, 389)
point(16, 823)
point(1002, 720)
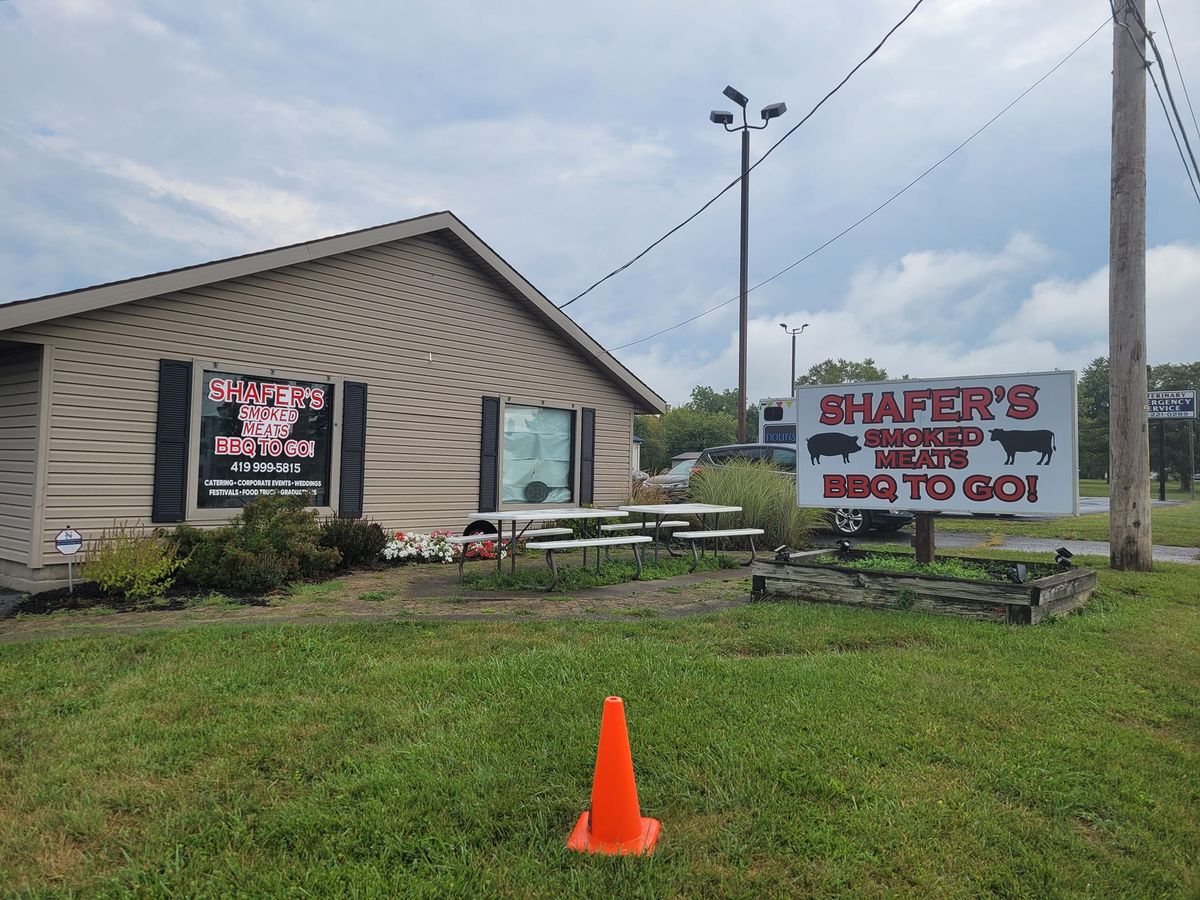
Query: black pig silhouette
point(1015, 442)
point(832, 443)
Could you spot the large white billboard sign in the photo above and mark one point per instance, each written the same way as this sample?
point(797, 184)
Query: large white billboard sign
point(989, 444)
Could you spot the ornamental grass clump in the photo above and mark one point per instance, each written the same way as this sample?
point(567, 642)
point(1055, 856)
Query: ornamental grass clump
point(127, 560)
point(766, 494)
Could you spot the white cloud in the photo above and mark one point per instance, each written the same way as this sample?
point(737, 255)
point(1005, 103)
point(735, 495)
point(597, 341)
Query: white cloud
point(922, 317)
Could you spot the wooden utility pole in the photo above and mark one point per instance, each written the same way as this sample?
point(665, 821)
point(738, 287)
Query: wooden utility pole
point(1129, 438)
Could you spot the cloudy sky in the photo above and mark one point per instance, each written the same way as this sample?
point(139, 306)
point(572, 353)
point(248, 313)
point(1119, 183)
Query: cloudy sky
point(140, 135)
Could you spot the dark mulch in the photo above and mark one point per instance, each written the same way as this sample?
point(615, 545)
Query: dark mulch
point(88, 594)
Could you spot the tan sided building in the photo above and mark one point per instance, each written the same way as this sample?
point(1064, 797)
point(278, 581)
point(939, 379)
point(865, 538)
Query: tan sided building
point(405, 373)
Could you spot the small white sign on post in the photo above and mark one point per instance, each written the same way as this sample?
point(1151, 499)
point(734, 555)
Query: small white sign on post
point(69, 542)
point(993, 444)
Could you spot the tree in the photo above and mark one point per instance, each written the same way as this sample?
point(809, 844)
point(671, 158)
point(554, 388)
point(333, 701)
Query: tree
point(654, 444)
point(842, 371)
point(708, 419)
point(706, 400)
point(1093, 419)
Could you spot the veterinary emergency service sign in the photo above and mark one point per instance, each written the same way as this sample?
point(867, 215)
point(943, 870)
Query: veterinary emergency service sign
point(986, 444)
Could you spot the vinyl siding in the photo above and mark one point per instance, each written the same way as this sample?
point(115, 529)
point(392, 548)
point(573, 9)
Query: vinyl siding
point(19, 400)
point(428, 330)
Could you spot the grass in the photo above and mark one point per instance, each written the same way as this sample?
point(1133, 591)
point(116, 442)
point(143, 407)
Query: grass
point(947, 567)
point(576, 578)
point(787, 749)
point(1174, 526)
point(1098, 487)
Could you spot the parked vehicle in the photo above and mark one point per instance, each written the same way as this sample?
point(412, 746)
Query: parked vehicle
point(848, 521)
point(673, 483)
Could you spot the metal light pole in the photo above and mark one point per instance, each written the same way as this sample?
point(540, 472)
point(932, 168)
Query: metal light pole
point(722, 117)
point(793, 332)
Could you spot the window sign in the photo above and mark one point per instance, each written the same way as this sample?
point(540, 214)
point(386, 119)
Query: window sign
point(538, 453)
point(263, 435)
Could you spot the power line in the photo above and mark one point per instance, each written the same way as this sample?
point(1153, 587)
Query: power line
point(1171, 122)
point(737, 180)
point(886, 202)
point(1166, 84)
point(1187, 96)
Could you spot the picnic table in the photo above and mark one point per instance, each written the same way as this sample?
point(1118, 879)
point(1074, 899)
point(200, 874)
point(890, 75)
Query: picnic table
point(529, 516)
point(661, 511)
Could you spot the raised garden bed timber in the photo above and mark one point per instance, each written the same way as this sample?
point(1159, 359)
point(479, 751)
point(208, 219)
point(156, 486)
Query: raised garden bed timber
point(829, 576)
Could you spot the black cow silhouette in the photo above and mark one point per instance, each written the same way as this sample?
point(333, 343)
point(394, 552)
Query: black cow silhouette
point(832, 443)
point(1015, 442)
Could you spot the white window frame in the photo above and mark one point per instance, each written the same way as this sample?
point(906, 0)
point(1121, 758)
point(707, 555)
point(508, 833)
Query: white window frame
point(576, 426)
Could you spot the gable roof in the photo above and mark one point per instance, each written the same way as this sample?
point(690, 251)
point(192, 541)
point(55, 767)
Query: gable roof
point(20, 313)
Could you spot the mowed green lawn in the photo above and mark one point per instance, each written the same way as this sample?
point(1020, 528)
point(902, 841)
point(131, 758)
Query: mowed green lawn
point(1098, 487)
point(786, 748)
point(1174, 526)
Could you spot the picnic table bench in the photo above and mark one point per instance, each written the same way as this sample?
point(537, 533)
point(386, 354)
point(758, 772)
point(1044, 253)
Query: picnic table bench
point(464, 540)
point(695, 537)
point(550, 547)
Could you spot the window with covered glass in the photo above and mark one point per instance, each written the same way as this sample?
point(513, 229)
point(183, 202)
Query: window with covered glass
point(539, 451)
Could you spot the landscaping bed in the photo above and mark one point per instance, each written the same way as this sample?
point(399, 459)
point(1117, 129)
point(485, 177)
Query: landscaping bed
point(976, 588)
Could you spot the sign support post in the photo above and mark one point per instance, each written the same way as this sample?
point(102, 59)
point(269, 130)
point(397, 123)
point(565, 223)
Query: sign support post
point(923, 538)
point(68, 542)
point(1162, 459)
point(1192, 455)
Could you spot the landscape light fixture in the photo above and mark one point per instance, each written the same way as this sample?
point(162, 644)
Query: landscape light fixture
point(1017, 574)
point(844, 546)
point(1062, 556)
point(793, 332)
point(725, 119)
point(783, 553)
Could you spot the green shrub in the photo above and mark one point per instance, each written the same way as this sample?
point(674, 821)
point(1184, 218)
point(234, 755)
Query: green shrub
point(274, 540)
point(131, 562)
point(766, 494)
point(358, 541)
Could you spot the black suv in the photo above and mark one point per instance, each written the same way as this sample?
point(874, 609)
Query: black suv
point(844, 520)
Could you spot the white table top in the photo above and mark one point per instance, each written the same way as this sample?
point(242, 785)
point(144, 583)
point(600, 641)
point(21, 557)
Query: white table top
point(681, 509)
point(539, 515)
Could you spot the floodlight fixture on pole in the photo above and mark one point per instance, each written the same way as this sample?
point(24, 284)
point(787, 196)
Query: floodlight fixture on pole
point(725, 119)
point(793, 332)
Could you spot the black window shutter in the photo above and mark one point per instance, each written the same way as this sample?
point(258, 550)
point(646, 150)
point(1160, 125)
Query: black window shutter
point(171, 441)
point(354, 447)
point(587, 457)
point(489, 452)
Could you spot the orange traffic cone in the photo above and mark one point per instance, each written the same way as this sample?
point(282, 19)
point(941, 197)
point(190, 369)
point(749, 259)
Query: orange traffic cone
point(614, 824)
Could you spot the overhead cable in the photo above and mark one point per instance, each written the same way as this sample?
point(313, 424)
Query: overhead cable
point(737, 180)
point(885, 203)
